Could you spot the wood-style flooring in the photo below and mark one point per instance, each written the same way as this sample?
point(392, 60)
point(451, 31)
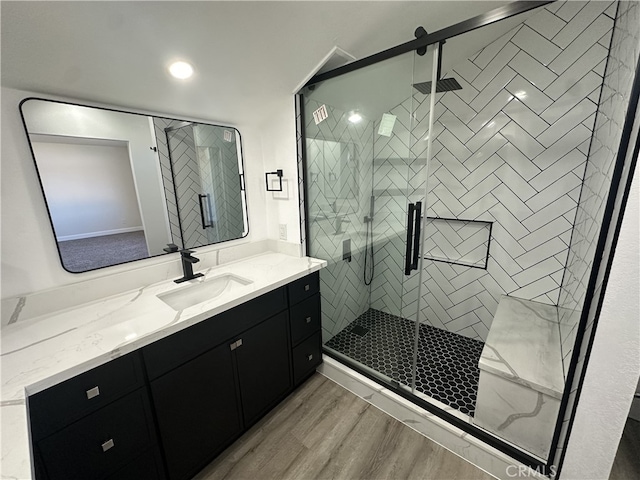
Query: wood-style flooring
point(626, 466)
point(323, 431)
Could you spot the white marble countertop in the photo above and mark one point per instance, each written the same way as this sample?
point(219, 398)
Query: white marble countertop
point(523, 345)
point(44, 351)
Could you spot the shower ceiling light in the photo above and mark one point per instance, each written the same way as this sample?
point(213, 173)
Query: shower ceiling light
point(355, 117)
point(181, 70)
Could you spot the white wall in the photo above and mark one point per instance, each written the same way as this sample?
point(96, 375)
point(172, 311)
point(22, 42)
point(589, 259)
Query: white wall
point(30, 262)
point(89, 188)
point(70, 120)
point(614, 365)
point(280, 152)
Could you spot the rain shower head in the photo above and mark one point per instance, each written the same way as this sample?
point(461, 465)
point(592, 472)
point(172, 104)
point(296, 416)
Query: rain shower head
point(442, 85)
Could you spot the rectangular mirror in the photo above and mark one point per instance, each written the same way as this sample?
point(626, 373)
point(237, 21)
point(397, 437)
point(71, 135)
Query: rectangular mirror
point(122, 186)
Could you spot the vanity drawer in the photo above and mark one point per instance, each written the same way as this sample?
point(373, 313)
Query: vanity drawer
point(305, 318)
point(101, 443)
point(56, 407)
point(304, 288)
point(306, 357)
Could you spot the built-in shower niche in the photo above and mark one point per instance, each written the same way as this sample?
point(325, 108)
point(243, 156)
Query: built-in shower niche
point(461, 242)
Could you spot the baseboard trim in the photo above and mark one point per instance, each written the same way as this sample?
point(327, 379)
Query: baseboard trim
point(102, 233)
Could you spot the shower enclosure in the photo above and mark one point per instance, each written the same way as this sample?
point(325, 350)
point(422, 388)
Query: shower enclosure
point(205, 170)
point(449, 187)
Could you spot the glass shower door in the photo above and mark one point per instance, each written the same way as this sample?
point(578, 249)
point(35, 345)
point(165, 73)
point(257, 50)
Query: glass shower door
point(364, 207)
point(206, 171)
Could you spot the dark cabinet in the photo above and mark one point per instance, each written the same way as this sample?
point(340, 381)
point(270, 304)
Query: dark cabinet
point(168, 409)
point(204, 403)
point(197, 411)
point(95, 424)
point(306, 334)
point(263, 366)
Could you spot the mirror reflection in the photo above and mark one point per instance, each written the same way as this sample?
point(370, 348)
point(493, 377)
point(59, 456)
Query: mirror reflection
point(122, 186)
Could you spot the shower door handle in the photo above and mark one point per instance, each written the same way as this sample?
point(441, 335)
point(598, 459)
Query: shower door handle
point(200, 197)
point(416, 236)
point(410, 238)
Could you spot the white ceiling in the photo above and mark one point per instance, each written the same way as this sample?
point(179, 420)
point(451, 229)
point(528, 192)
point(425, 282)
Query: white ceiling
point(248, 56)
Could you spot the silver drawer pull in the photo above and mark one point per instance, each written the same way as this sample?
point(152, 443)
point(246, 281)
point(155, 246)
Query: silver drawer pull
point(308, 319)
point(310, 357)
point(108, 445)
point(93, 392)
point(306, 288)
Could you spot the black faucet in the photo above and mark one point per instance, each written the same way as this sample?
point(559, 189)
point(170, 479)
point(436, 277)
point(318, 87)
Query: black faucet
point(187, 266)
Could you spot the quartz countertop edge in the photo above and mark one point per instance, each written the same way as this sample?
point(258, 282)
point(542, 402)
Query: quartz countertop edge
point(42, 352)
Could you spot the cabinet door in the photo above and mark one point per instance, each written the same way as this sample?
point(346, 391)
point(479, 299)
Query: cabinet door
point(197, 411)
point(263, 366)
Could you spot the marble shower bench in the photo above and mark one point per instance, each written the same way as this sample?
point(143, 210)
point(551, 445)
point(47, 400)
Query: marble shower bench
point(521, 375)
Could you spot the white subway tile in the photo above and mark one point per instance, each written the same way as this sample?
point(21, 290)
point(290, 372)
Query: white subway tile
point(579, 23)
point(581, 44)
point(522, 140)
point(564, 124)
point(532, 70)
point(563, 146)
point(490, 51)
point(495, 65)
point(518, 161)
point(484, 152)
point(525, 117)
point(490, 110)
point(456, 126)
point(570, 9)
point(546, 23)
point(561, 186)
point(496, 84)
point(467, 70)
point(528, 94)
point(558, 169)
point(451, 143)
point(516, 184)
point(548, 213)
point(536, 45)
point(487, 132)
point(596, 55)
point(459, 108)
point(482, 171)
point(574, 95)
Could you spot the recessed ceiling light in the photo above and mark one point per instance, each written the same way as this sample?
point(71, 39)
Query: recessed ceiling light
point(181, 70)
point(355, 117)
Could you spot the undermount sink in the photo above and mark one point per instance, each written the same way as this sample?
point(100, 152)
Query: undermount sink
point(203, 290)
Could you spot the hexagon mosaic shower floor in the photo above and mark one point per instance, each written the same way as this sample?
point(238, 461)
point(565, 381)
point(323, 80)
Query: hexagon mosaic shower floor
point(447, 362)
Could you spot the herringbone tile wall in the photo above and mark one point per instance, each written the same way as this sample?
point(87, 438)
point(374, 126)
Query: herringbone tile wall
point(159, 124)
point(219, 176)
point(211, 167)
point(186, 173)
point(616, 93)
point(509, 148)
point(339, 176)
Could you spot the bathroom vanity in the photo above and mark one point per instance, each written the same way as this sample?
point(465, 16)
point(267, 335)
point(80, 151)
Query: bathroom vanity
point(164, 403)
